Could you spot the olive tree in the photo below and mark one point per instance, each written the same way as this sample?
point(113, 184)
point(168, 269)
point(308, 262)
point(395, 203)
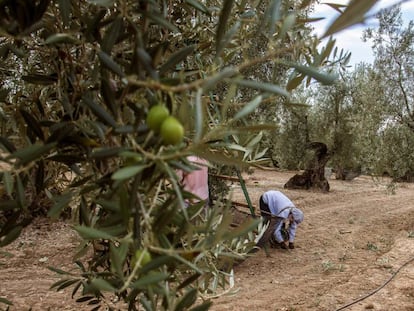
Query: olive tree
point(393, 46)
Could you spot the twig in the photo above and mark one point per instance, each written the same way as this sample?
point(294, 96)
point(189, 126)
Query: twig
point(379, 288)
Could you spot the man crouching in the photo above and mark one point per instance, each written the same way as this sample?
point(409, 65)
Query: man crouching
point(278, 210)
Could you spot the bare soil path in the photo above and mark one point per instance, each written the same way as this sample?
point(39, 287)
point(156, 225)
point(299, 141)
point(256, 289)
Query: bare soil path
point(352, 241)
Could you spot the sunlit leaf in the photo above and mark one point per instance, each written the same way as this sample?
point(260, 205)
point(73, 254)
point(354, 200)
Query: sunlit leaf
point(32, 152)
point(102, 285)
point(248, 108)
point(128, 172)
point(102, 153)
point(256, 139)
point(117, 256)
point(59, 38)
point(325, 78)
point(259, 156)
point(114, 230)
point(218, 134)
point(236, 147)
point(198, 115)
point(89, 233)
point(272, 15)
point(353, 14)
point(263, 86)
point(243, 229)
point(149, 279)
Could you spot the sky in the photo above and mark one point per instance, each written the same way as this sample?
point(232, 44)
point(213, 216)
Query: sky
point(350, 39)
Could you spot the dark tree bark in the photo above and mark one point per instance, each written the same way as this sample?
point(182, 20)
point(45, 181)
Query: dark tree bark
point(314, 176)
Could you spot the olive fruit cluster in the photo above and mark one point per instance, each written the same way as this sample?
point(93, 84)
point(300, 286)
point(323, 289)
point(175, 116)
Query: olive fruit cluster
point(160, 121)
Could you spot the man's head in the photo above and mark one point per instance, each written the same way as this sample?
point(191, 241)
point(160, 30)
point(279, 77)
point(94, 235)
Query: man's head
point(297, 215)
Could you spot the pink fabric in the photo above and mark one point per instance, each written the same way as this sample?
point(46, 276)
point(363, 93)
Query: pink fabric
point(196, 182)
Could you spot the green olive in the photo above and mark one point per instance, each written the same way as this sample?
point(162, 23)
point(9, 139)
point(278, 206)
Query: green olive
point(172, 131)
point(156, 116)
point(144, 255)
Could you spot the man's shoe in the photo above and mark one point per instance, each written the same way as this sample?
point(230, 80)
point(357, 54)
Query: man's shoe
point(283, 245)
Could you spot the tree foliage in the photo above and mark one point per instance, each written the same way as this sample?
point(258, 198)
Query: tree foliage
point(366, 116)
point(394, 50)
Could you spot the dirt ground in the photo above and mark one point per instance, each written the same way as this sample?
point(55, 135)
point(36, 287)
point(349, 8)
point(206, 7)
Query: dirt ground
point(354, 240)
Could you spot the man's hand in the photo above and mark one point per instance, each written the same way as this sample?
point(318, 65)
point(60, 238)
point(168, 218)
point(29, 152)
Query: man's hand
point(291, 245)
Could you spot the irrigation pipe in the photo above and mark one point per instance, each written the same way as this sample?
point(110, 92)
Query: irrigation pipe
point(379, 288)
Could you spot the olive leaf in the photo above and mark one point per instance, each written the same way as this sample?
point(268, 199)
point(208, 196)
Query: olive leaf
point(149, 279)
point(128, 172)
point(353, 14)
point(89, 233)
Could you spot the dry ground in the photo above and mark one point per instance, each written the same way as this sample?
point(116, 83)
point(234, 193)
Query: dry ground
point(353, 239)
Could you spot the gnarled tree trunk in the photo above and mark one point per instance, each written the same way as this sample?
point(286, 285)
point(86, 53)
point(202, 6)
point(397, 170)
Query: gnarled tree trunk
point(314, 175)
